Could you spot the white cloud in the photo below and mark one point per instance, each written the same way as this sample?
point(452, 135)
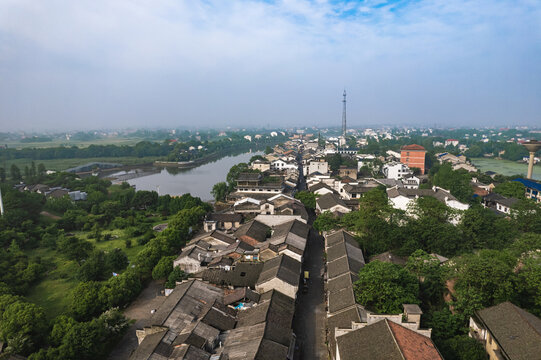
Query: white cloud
point(441, 55)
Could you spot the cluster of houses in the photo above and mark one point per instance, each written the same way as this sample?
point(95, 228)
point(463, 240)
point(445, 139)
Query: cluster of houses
point(245, 270)
point(353, 332)
point(52, 192)
point(340, 193)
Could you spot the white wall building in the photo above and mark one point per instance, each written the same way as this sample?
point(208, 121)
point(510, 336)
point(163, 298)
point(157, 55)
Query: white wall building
point(321, 167)
point(395, 170)
point(281, 165)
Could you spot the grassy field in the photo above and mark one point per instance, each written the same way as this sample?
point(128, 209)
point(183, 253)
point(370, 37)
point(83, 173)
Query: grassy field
point(53, 291)
point(68, 143)
point(505, 167)
point(63, 164)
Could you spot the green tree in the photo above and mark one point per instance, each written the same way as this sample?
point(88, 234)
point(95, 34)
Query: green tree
point(307, 198)
point(41, 170)
point(94, 269)
point(375, 222)
point(86, 301)
point(482, 228)
point(525, 243)
point(457, 182)
point(163, 268)
point(483, 279)
point(511, 189)
point(2, 174)
point(384, 287)
point(462, 347)
point(120, 290)
point(326, 221)
point(61, 326)
point(268, 150)
point(23, 327)
point(219, 191)
point(116, 260)
point(429, 229)
point(75, 248)
point(334, 161)
point(59, 205)
point(15, 173)
point(176, 275)
point(529, 283)
point(526, 216)
point(234, 173)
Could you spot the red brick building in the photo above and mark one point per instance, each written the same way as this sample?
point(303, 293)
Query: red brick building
point(413, 156)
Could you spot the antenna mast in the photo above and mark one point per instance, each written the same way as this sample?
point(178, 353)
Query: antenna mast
point(344, 115)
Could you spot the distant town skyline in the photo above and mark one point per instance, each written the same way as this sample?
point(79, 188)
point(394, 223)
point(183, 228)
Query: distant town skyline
point(173, 64)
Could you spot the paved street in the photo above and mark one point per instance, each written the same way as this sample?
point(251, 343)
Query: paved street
point(309, 321)
point(140, 311)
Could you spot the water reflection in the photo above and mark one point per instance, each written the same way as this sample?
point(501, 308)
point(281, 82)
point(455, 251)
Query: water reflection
point(196, 181)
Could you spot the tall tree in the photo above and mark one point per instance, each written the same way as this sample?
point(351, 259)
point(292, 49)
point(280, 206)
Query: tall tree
point(219, 191)
point(384, 287)
point(511, 189)
point(15, 173)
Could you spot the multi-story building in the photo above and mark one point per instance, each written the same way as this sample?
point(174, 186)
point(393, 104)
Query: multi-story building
point(413, 156)
point(395, 170)
point(507, 332)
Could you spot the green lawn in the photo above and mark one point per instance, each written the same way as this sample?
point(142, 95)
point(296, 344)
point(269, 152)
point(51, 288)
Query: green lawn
point(52, 295)
point(53, 291)
point(118, 242)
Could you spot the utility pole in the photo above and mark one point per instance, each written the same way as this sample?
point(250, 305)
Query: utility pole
point(1, 204)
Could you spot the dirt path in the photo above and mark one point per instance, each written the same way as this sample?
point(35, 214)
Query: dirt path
point(139, 311)
point(49, 215)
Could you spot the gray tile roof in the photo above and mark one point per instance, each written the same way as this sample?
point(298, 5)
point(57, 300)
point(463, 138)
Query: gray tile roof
point(185, 303)
point(276, 311)
point(340, 282)
point(189, 352)
point(438, 194)
point(254, 229)
point(282, 267)
point(254, 176)
point(243, 274)
point(250, 343)
point(327, 201)
point(343, 254)
point(517, 331)
point(341, 299)
point(339, 236)
point(148, 345)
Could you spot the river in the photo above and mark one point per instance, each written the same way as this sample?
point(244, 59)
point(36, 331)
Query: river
point(196, 181)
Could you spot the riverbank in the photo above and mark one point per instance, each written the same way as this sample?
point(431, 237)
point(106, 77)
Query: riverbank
point(198, 181)
point(505, 167)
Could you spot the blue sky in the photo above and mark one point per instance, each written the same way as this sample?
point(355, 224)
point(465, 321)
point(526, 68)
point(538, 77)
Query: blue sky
point(170, 63)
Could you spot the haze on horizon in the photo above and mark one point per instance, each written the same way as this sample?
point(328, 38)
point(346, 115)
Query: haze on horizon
point(183, 63)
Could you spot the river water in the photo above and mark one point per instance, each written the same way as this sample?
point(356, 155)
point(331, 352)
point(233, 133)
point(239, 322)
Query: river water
point(196, 181)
